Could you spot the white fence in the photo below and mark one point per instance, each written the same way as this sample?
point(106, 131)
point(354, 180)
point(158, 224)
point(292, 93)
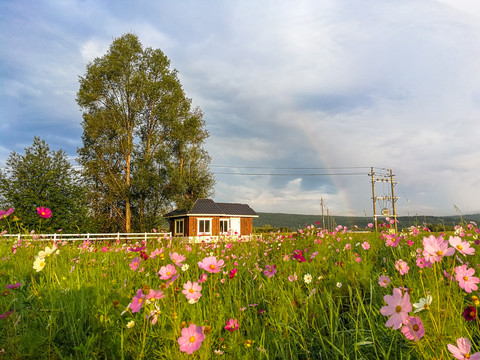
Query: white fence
point(88, 237)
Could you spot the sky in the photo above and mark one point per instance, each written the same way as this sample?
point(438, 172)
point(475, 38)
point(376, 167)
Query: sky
point(321, 90)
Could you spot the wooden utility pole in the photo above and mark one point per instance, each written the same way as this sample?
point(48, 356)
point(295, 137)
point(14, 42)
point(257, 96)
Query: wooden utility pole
point(393, 201)
point(372, 174)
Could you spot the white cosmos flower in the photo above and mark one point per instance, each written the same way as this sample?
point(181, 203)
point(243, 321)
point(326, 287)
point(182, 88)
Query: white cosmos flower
point(39, 264)
point(130, 324)
point(423, 304)
point(307, 278)
point(47, 252)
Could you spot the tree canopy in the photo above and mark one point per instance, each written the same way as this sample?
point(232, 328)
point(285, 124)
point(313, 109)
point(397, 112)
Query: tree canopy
point(44, 177)
point(142, 140)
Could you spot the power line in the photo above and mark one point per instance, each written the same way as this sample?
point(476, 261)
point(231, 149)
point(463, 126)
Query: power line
point(294, 174)
point(290, 168)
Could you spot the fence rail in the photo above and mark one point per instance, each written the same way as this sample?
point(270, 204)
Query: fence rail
point(87, 237)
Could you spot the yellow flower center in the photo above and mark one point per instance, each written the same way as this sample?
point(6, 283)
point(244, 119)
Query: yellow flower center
point(472, 314)
point(140, 300)
point(439, 253)
point(465, 278)
point(459, 247)
point(191, 291)
point(398, 309)
point(415, 327)
point(212, 266)
point(467, 356)
point(168, 273)
point(192, 339)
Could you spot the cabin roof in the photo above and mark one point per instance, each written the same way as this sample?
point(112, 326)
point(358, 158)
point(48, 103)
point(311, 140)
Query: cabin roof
point(207, 207)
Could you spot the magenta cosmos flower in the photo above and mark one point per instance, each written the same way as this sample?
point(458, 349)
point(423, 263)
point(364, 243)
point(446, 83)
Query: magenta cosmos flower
point(465, 278)
point(192, 290)
point(270, 270)
point(166, 272)
point(44, 212)
point(397, 308)
point(191, 339)
point(461, 246)
point(211, 264)
point(231, 325)
point(13, 286)
point(434, 249)
point(463, 350)
point(138, 301)
point(414, 329)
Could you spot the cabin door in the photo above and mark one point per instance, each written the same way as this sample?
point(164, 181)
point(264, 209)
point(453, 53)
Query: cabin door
point(235, 225)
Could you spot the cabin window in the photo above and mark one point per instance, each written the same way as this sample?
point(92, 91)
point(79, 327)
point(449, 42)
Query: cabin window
point(223, 226)
point(179, 227)
point(204, 226)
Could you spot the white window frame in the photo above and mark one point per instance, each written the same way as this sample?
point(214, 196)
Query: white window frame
point(220, 226)
point(209, 232)
point(177, 222)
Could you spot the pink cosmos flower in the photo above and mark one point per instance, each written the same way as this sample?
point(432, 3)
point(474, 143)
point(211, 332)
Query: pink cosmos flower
point(191, 339)
point(192, 290)
point(422, 263)
point(465, 278)
point(366, 245)
point(401, 266)
point(292, 278)
point(5, 213)
point(155, 252)
point(44, 212)
point(135, 264)
point(231, 325)
point(270, 270)
point(152, 294)
point(392, 240)
point(138, 301)
point(463, 350)
point(211, 264)
point(414, 329)
point(383, 281)
point(461, 246)
point(434, 249)
point(177, 258)
point(397, 308)
point(166, 272)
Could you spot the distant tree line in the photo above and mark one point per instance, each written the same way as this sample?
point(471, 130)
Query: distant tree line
point(142, 150)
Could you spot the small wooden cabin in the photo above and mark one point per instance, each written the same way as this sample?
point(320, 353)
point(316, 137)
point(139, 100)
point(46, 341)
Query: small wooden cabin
point(208, 218)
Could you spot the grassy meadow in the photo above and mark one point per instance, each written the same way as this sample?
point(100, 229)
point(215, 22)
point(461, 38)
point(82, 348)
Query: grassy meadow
point(311, 294)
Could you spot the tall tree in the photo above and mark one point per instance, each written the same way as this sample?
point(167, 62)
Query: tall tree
point(43, 177)
point(135, 113)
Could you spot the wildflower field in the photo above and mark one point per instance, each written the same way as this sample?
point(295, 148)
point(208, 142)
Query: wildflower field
point(312, 294)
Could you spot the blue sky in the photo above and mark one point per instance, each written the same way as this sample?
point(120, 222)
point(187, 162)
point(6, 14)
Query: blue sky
point(293, 85)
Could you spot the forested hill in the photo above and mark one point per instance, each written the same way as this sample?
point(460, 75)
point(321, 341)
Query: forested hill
point(296, 221)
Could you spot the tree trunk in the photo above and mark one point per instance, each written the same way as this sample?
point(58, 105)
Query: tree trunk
point(128, 211)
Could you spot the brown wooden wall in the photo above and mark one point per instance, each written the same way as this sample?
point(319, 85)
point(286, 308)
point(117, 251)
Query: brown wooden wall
point(190, 225)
